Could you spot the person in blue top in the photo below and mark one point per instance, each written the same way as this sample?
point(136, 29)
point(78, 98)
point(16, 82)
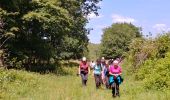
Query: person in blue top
point(97, 73)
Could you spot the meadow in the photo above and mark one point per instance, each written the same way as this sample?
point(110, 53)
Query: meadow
point(22, 85)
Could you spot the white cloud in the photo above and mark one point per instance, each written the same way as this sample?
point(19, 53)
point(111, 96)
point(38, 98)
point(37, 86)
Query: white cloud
point(161, 27)
point(121, 19)
point(93, 16)
point(168, 29)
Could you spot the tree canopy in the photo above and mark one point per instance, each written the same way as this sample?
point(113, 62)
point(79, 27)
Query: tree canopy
point(44, 29)
point(116, 39)
point(93, 51)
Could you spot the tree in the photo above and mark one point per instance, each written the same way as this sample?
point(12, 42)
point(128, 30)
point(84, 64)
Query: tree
point(93, 51)
point(116, 39)
point(45, 29)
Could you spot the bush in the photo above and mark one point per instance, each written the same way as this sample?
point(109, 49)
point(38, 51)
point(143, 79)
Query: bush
point(149, 59)
point(159, 74)
point(16, 82)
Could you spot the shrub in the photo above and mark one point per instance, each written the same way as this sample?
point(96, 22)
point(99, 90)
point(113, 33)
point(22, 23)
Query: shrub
point(149, 59)
point(159, 76)
point(14, 82)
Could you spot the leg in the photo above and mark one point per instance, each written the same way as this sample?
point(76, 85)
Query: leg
point(103, 78)
point(107, 82)
point(99, 80)
point(117, 81)
point(85, 79)
point(95, 77)
point(118, 90)
point(82, 78)
point(113, 89)
point(116, 87)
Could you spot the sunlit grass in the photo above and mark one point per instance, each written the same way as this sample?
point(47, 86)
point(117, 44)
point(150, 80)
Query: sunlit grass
point(52, 87)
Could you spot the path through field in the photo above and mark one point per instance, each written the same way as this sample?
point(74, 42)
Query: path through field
point(69, 88)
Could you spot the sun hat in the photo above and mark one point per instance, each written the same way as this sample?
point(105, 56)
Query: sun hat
point(102, 58)
point(84, 59)
point(115, 62)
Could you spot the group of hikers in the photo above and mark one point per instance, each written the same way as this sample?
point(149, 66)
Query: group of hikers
point(106, 73)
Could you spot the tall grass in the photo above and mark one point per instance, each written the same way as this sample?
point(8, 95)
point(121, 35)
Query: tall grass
point(32, 86)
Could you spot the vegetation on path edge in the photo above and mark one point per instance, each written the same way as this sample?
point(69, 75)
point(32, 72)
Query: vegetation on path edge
point(26, 86)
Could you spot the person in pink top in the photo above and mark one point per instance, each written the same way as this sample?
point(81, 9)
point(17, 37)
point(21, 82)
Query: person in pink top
point(115, 71)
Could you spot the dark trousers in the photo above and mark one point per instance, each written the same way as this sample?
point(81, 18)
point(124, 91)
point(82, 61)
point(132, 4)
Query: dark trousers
point(98, 80)
point(107, 82)
point(115, 85)
point(84, 77)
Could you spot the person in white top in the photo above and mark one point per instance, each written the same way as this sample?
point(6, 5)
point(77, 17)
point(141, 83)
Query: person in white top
point(92, 64)
point(103, 64)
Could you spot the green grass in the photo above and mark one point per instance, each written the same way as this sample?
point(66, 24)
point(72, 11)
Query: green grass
point(32, 86)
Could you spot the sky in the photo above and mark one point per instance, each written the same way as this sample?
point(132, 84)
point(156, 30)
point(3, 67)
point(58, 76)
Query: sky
point(152, 15)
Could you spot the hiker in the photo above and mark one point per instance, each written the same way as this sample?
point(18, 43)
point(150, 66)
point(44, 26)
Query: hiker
point(92, 64)
point(103, 65)
point(84, 70)
point(106, 75)
point(115, 72)
point(110, 62)
point(97, 73)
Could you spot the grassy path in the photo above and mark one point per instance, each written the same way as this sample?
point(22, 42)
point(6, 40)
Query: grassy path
point(51, 87)
point(69, 88)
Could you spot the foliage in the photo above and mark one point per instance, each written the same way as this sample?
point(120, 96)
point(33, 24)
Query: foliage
point(143, 49)
point(149, 59)
point(52, 87)
point(93, 51)
point(44, 29)
point(155, 73)
point(14, 82)
point(116, 39)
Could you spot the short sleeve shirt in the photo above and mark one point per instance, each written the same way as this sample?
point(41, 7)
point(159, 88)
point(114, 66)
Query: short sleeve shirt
point(114, 70)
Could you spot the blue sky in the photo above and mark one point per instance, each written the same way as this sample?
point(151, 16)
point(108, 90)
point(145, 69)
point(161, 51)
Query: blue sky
point(152, 15)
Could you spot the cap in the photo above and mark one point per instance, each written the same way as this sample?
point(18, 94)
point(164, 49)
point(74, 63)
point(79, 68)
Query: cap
point(84, 59)
point(102, 58)
point(116, 62)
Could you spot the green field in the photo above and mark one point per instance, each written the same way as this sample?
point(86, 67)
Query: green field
point(32, 86)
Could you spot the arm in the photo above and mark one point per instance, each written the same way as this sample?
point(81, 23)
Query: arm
point(113, 74)
point(120, 73)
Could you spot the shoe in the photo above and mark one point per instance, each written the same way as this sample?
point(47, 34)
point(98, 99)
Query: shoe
point(113, 96)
